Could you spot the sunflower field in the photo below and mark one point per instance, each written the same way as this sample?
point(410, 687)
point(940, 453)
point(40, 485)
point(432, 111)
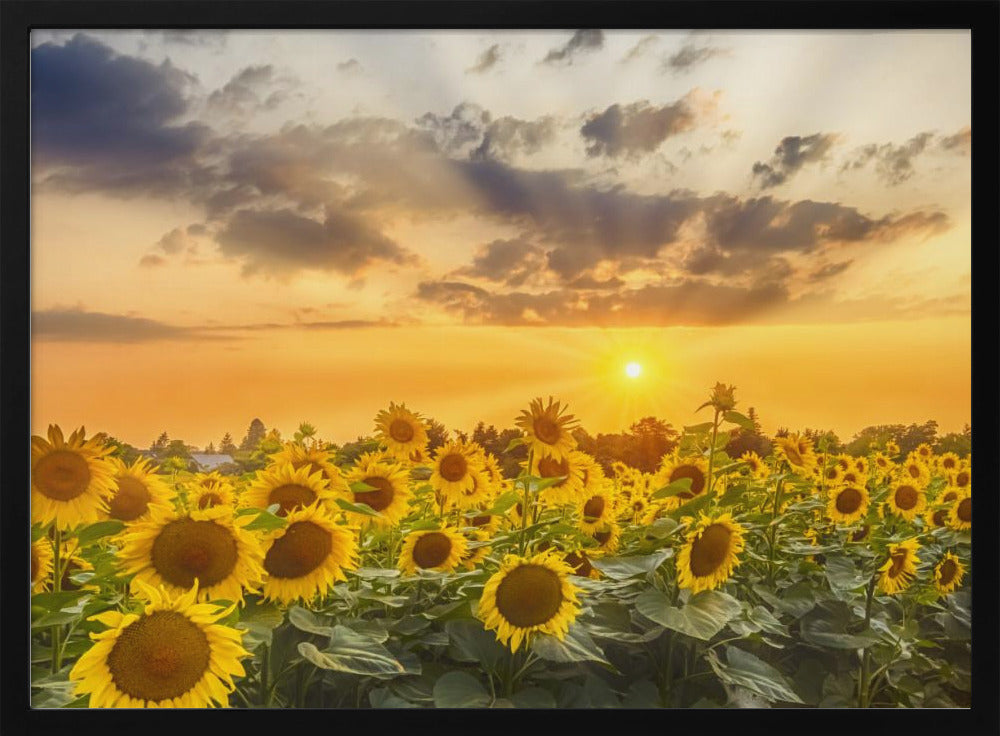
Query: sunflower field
point(411, 578)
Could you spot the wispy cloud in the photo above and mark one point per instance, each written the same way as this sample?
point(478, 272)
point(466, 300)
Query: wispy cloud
point(581, 42)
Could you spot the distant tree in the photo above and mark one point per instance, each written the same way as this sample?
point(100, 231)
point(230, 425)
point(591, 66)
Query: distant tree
point(227, 447)
point(824, 438)
point(437, 434)
point(255, 433)
point(742, 441)
point(177, 448)
point(462, 436)
point(958, 442)
point(160, 445)
point(647, 441)
point(351, 451)
point(306, 431)
point(210, 448)
point(121, 450)
point(908, 437)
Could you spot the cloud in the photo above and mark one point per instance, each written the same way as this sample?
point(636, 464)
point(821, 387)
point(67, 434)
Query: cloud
point(690, 56)
point(282, 242)
point(508, 136)
point(641, 47)
point(512, 262)
point(100, 120)
point(640, 128)
point(351, 66)
point(250, 90)
point(463, 126)
point(960, 143)
point(581, 41)
point(78, 325)
point(893, 164)
point(792, 154)
point(152, 260)
point(829, 270)
point(486, 61)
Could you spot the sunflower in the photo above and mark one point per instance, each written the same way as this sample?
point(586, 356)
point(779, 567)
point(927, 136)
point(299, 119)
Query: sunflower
point(72, 563)
point(207, 479)
point(843, 461)
point(289, 488)
point(548, 428)
point(391, 494)
point(581, 565)
point(608, 539)
point(70, 479)
point(635, 507)
point(861, 465)
point(137, 490)
point(882, 464)
point(316, 460)
point(41, 564)
point(214, 494)
point(305, 558)
point(937, 518)
point(528, 595)
point(847, 504)
point(915, 471)
point(481, 521)
point(432, 549)
point(906, 499)
point(710, 554)
point(961, 478)
point(174, 654)
point(695, 469)
point(593, 474)
point(924, 451)
point(452, 469)
point(596, 508)
point(948, 574)
point(834, 474)
point(960, 514)
point(475, 555)
point(860, 535)
point(796, 451)
point(402, 431)
point(480, 494)
point(618, 469)
point(210, 545)
point(899, 570)
point(949, 462)
point(572, 465)
point(493, 472)
point(758, 468)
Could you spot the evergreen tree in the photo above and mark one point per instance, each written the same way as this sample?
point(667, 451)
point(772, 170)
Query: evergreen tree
point(255, 433)
point(210, 450)
point(227, 447)
point(160, 445)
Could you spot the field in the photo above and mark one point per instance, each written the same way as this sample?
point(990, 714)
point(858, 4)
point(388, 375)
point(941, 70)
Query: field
point(410, 577)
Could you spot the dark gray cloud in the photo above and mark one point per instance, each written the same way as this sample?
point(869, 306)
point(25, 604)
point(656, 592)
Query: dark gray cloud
point(639, 128)
point(78, 325)
point(511, 262)
point(283, 242)
point(252, 89)
point(581, 41)
point(690, 56)
point(486, 61)
point(959, 143)
point(507, 136)
point(893, 164)
point(190, 38)
point(641, 47)
point(587, 282)
point(100, 120)
point(792, 154)
point(464, 126)
point(829, 270)
point(351, 66)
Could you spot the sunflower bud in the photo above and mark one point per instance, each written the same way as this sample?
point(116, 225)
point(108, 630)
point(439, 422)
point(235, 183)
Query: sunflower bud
point(723, 397)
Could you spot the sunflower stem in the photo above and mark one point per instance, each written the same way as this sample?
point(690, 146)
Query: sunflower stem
point(265, 693)
point(711, 449)
point(56, 587)
point(864, 681)
point(524, 503)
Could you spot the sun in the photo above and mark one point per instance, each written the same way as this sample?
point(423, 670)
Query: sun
point(632, 370)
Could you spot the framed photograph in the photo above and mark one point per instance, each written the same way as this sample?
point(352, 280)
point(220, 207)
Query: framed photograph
point(415, 360)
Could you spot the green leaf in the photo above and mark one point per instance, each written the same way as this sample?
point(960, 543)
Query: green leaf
point(698, 428)
point(307, 621)
point(747, 670)
point(56, 618)
point(470, 642)
point(692, 507)
point(57, 601)
point(540, 484)
point(382, 697)
point(357, 508)
point(95, 532)
point(361, 487)
point(832, 624)
point(576, 646)
point(678, 486)
point(702, 617)
point(736, 418)
point(515, 443)
point(504, 502)
point(622, 568)
point(843, 574)
point(350, 651)
point(457, 689)
point(533, 697)
point(266, 521)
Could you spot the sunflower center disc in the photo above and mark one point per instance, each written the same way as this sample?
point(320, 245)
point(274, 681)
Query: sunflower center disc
point(950, 496)
point(71, 569)
point(400, 430)
point(710, 550)
point(948, 463)
point(35, 564)
point(898, 562)
point(914, 471)
point(602, 537)
point(377, 499)
point(431, 550)
point(481, 520)
point(939, 517)
point(580, 564)
point(187, 549)
point(453, 467)
point(906, 497)
point(848, 500)
point(850, 477)
point(131, 500)
point(965, 510)
point(793, 454)
point(209, 500)
point(860, 534)
point(62, 475)
point(696, 476)
point(290, 497)
point(547, 430)
point(832, 473)
point(301, 549)
point(594, 507)
point(529, 595)
point(947, 571)
point(313, 467)
point(962, 479)
point(159, 657)
point(549, 467)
